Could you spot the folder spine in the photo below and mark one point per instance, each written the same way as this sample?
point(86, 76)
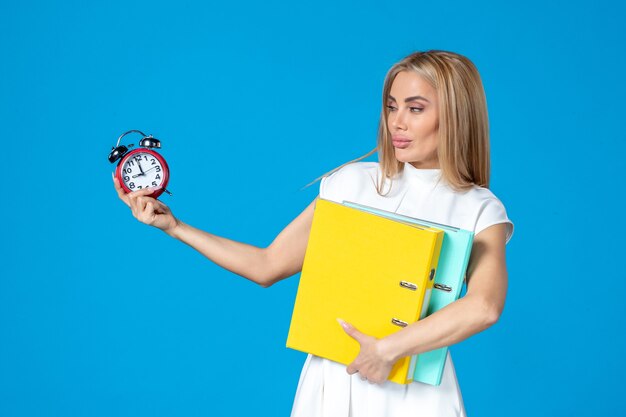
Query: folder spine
point(448, 287)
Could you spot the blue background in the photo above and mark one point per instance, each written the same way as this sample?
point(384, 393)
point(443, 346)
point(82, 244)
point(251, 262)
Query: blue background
point(101, 315)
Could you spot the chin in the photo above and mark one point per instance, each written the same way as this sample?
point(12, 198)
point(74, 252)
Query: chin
point(403, 157)
point(413, 159)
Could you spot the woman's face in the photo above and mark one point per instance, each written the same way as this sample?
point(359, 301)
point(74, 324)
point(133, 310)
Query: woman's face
point(413, 120)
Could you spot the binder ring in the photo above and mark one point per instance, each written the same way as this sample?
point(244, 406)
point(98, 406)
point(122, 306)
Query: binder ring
point(443, 287)
point(398, 322)
point(408, 285)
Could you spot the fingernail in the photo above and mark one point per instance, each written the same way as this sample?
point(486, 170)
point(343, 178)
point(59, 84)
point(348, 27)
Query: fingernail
point(343, 323)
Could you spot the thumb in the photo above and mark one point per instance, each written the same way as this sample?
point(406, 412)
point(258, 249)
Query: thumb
point(352, 331)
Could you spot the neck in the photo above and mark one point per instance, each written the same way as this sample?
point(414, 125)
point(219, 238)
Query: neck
point(425, 165)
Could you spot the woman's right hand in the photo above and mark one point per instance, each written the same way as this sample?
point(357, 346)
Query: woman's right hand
point(146, 209)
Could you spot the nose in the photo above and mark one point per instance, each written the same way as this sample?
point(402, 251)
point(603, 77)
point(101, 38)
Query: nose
point(398, 120)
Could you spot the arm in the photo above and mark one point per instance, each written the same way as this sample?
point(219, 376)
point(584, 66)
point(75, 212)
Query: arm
point(264, 266)
point(480, 308)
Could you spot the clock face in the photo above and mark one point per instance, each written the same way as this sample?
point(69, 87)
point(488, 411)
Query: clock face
point(142, 169)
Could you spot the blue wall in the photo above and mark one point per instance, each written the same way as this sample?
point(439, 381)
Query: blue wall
point(101, 315)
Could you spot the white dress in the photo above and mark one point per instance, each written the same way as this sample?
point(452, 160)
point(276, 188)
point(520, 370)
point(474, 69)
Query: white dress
point(325, 389)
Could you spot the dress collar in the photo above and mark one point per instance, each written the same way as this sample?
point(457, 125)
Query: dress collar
point(428, 175)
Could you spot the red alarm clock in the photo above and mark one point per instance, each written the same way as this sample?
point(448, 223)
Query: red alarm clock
point(142, 167)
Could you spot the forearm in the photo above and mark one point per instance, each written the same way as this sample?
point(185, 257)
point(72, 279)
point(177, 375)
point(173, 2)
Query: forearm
point(242, 259)
point(452, 324)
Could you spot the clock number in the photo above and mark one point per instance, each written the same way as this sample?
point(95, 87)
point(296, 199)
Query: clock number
point(138, 158)
point(158, 177)
point(126, 178)
point(158, 168)
point(131, 163)
point(153, 162)
point(131, 185)
point(154, 184)
point(128, 170)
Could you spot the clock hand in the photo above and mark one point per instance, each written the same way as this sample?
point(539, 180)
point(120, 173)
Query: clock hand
point(144, 172)
point(151, 169)
point(139, 163)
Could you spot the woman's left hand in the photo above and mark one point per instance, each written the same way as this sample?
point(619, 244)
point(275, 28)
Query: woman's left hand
point(370, 362)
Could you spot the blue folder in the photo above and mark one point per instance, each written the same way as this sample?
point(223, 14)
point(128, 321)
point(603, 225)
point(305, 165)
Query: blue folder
point(453, 260)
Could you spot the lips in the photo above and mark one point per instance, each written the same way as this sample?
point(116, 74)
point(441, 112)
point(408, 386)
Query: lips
point(400, 141)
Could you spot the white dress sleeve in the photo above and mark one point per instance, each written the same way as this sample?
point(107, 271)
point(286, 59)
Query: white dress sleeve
point(333, 186)
point(493, 212)
point(323, 186)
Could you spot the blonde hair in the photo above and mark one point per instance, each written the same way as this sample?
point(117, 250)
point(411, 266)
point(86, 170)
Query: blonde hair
point(463, 133)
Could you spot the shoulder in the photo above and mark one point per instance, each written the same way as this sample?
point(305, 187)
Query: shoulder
point(355, 168)
point(354, 175)
point(480, 195)
point(488, 209)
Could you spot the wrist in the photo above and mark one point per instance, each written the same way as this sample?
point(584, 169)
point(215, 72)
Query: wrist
point(174, 230)
point(388, 350)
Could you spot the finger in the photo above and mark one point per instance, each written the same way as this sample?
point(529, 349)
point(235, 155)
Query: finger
point(120, 191)
point(148, 205)
point(142, 192)
point(161, 206)
point(351, 369)
point(132, 202)
point(145, 214)
point(149, 213)
point(377, 380)
point(352, 331)
point(141, 204)
point(132, 199)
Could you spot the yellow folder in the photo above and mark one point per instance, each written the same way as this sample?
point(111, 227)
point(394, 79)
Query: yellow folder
point(373, 272)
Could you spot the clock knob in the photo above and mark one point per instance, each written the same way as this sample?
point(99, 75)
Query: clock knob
point(117, 153)
point(150, 142)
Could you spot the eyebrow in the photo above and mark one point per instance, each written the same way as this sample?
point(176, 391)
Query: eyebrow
point(414, 98)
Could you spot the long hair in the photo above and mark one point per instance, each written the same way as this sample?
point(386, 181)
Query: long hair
point(463, 133)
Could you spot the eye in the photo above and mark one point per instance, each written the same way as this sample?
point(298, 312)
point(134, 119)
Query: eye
point(390, 108)
point(417, 109)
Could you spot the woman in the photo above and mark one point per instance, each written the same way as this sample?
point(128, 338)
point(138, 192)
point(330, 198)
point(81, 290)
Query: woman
point(433, 146)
